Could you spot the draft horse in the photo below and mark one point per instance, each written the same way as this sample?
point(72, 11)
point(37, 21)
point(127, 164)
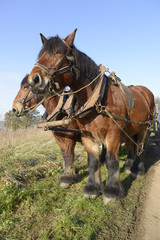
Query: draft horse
point(25, 101)
point(61, 64)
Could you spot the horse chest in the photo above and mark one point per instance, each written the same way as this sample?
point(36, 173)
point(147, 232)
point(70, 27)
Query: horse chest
point(95, 129)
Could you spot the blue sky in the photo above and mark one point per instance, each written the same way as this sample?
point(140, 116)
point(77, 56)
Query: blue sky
point(123, 35)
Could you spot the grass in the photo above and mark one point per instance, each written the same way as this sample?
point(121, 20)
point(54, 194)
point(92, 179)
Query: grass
point(33, 206)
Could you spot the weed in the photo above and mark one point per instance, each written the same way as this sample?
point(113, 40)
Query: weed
point(33, 206)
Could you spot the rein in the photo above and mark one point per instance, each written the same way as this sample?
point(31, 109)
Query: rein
point(27, 99)
point(34, 107)
point(99, 108)
point(70, 93)
point(53, 72)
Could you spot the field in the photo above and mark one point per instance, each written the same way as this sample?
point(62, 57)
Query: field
point(33, 206)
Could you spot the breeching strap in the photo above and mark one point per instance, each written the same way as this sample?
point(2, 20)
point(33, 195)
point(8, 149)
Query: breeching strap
point(140, 149)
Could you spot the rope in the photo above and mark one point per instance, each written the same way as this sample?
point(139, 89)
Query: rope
point(70, 93)
point(37, 105)
point(34, 107)
point(140, 147)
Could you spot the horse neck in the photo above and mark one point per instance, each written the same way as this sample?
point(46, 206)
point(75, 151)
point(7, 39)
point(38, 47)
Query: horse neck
point(85, 92)
point(84, 70)
point(50, 103)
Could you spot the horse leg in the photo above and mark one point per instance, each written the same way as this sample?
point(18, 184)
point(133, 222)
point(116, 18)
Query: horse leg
point(113, 189)
point(67, 146)
point(138, 167)
point(93, 187)
point(131, 148)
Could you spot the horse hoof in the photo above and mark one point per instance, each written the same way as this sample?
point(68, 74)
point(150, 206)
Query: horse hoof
point(65, 185)
point(91, 191)
point(106, 200)
point(90, 196)
point(128, 171)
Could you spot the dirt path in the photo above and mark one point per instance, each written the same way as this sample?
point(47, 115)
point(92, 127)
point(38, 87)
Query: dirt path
point(148, 227)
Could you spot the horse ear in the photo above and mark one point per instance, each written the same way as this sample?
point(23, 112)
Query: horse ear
point(43, 39)
point(70, 38)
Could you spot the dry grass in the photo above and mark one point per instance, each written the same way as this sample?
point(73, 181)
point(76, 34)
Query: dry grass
point(33, 206)
point(9, 137)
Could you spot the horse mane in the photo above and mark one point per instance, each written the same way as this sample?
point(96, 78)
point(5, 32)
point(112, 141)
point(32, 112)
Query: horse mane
point(82, 65)
point(51, 44)
point(24, 80)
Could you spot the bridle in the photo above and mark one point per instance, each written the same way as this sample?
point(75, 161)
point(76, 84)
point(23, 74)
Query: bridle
point(56, 70)
point(53, 72)
point(26, 99)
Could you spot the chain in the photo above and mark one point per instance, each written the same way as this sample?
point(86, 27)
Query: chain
point(140, 147)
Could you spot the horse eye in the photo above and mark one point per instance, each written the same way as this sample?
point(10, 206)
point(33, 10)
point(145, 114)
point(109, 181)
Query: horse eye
point(26, 87)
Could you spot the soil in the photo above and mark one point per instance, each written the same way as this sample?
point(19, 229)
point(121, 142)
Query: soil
point(148, 223)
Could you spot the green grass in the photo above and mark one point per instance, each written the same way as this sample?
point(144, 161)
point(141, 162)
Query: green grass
point(33, 206)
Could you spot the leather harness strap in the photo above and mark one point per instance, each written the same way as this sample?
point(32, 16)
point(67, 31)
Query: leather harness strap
point(26, 98)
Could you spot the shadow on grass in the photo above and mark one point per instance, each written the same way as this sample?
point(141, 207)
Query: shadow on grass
point(152, 156)
point(81, 175)
point(127, 183)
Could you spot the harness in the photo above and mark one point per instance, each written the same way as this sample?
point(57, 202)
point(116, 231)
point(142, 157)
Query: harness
point(27, 99)
point(52, 72)
point(93, 102)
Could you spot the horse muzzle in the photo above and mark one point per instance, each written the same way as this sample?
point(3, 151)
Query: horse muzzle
point(17, 111)
point(38, 84)
point(35, 81)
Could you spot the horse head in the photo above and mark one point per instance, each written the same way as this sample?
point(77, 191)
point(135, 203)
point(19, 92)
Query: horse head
point(53, 72)
point(25, 99)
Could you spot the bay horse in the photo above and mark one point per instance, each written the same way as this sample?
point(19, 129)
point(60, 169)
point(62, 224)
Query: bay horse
point(61, 64)
point(26, 100)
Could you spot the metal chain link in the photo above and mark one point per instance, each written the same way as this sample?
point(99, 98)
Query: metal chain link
point(140, 147)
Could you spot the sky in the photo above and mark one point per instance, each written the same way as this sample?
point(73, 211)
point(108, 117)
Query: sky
point(123, 35)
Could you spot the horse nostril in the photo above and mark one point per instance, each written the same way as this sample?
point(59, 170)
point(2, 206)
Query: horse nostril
point(36, 79)
point(14, 110)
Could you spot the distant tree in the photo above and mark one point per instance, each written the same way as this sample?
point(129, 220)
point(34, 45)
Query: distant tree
point(13, 122)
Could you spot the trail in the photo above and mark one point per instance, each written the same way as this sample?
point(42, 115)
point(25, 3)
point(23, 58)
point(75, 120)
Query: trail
point(148, 227)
